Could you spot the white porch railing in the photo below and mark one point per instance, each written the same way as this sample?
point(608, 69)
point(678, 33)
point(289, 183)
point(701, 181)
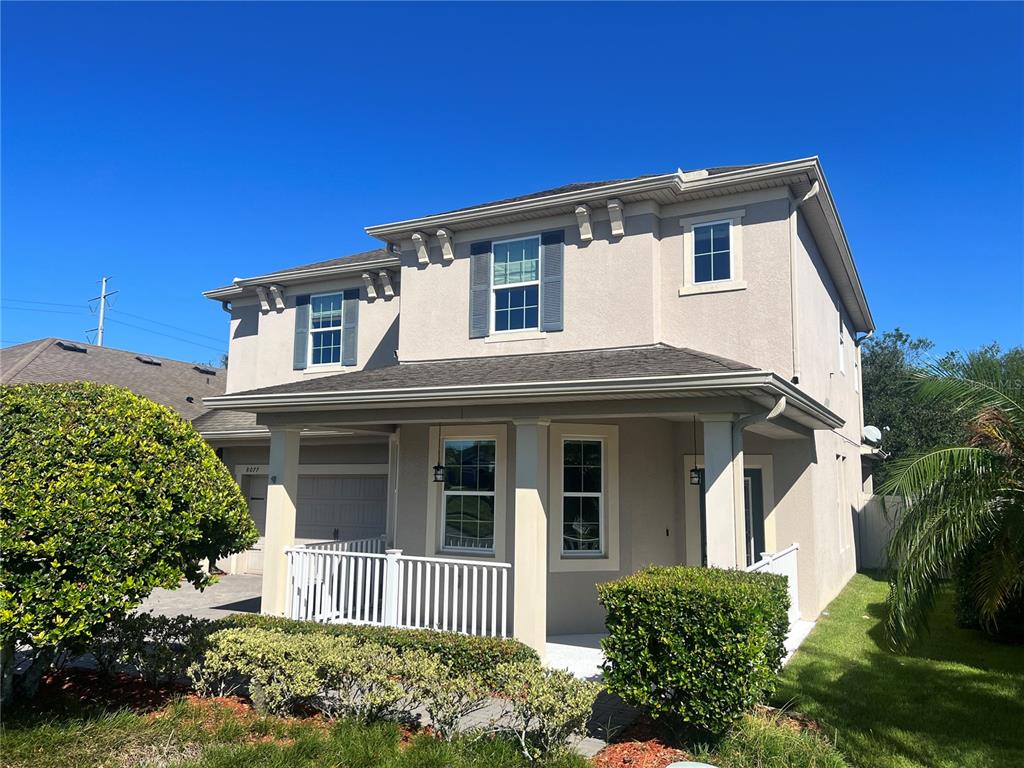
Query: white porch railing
point(396, 590)
point(783, 563)
point(374, 544)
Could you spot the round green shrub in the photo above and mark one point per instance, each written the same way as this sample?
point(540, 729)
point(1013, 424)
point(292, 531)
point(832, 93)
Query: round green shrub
point(697, 645)
point(104, 495)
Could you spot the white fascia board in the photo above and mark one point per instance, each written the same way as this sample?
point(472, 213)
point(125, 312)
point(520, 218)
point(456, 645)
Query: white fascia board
point(418, 396)
point(387, 232)
point(296, 276)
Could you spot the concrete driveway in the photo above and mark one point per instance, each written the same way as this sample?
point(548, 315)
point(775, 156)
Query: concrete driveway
point(239, 593)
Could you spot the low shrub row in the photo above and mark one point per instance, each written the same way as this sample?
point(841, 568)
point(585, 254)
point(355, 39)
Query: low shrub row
point(698, 645)
point(464, 654)
point(345, 676)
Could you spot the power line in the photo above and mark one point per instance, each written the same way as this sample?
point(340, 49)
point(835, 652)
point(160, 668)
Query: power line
point(166, 335)
point(44, 303)
point(167, 325)
point(45, 311)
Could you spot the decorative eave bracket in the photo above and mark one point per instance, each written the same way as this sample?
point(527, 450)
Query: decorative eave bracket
point(615, 215)
point(583, 219)
point(277, 294)
point(419, 239)
point(371, 289)
point(447, 246)
point(385, 284)
point(261, 293)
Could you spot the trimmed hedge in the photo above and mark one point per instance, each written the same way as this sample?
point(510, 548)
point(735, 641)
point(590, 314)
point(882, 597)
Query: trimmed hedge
point(698, 645)
point(463, 654)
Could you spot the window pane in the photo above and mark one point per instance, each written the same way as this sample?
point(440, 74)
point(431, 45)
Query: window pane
point(572, 453)
point(530, 317)
point(326, 347)
point(516, 319)
point(325, 311)
point(720, 237)
point(591, 479)
point(469, 521)
point(702, 268)
point(572, 479)
point(501, 320)
point(516, 262)
point(721, 266)
point(702, 239)
point(591, 453)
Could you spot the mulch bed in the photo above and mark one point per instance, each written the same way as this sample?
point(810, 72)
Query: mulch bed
point(640, 745)
point(118, 692)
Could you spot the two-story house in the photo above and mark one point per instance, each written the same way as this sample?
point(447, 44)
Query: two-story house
point(531, 396)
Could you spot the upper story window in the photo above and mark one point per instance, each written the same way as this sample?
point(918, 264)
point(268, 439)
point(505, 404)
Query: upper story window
point(469, 495)
point(515, 282)
point(711, 254)
point(325, 321)
point(842, 346)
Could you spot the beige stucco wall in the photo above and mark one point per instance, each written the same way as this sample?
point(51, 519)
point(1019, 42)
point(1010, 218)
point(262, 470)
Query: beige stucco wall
point(261, 344)
point(607, 294)
point(359, 451)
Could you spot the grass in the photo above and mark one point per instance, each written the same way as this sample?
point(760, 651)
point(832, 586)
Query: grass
point(211, 735)
point(955, 701)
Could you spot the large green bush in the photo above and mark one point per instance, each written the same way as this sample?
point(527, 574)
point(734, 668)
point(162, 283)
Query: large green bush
point(463, 654)
point(104, 495)
point(698, 645)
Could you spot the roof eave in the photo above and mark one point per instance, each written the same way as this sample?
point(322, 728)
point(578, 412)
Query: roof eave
point(418, 396)
point(395, 230)
point(297, 276)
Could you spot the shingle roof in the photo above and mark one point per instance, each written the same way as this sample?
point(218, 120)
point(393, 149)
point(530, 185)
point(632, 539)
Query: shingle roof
point(580, 186)
point(170, 383)
point(352, 260)
point(227, 421)
point(653, 360)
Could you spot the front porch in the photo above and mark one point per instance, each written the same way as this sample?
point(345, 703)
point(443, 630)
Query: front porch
point(506, 503)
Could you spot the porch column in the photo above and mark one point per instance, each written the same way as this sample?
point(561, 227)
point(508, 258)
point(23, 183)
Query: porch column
point(282, 492)
point(723, 474)
point(530, 563)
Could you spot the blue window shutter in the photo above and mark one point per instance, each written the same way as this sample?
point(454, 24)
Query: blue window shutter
point(552, 245)
point(301, 348)
point(350, 327)
point(479, 289)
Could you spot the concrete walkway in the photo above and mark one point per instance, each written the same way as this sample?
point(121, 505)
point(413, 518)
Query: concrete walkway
point(239, 593)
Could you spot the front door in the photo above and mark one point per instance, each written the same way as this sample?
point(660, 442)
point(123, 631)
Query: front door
point(753, 509)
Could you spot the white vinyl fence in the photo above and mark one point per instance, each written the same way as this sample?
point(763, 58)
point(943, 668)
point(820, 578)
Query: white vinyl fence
point(784, 563)
point(375, 544)
point(338, 585)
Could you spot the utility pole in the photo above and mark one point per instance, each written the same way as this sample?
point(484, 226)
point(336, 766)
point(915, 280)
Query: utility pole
point(102, 298)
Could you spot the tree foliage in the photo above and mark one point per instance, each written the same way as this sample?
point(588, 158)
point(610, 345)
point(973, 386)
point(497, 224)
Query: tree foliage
point(888, 363)
point(104, 495)
point(964, 500)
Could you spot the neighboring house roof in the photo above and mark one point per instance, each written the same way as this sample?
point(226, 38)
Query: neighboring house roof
point(342, 265)
point(165, 381)
point(598, 373)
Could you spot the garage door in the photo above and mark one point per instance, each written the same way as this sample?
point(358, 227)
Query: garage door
point(328, 507)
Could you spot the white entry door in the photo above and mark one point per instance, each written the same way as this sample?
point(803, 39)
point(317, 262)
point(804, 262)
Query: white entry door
point(328, 508)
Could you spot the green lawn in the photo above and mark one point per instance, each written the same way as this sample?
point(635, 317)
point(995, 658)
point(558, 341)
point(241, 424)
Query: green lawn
point(955, 701)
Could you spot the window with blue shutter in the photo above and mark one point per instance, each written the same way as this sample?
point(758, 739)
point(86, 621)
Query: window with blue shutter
point(479, 289)
point(552, 247)
point(300, 350)
point(326, 329)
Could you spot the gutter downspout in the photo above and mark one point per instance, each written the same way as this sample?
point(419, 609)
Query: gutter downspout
point(794, 292)
point(739, 506)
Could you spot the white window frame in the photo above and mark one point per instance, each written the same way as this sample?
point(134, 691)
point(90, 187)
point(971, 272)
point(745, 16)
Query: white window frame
point(575, 553)
point(694, 254)
point(608, 560)
point(735, 282)
point(435, 491)
point(442, 546)
point(495, 288)
point(311, 331)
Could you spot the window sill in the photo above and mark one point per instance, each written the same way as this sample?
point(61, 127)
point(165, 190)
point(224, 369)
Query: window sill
point(499, 336)
point(722, 287)
point(314, 369)
point(466, 554)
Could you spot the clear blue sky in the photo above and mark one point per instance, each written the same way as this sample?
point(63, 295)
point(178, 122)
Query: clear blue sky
point(177, 146)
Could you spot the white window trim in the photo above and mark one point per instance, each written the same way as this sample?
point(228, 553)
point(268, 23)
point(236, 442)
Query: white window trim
point(691, 499)
point(435, 491)
point(608, 560)
point(735, 282)
point(494, 303)
point(603, 539)
point(317, 367)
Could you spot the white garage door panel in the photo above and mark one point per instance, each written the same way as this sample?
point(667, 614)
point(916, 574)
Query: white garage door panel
point(328, 507)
